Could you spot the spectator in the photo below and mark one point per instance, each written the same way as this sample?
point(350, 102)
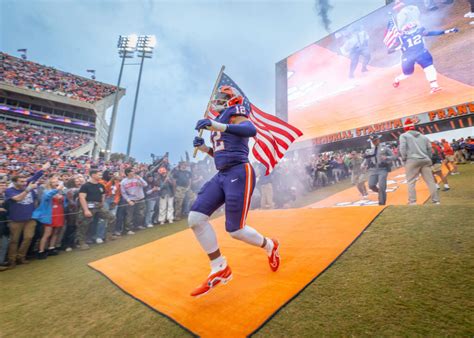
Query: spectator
point(416, 152)
point(437, 159)
point(111, 184)
point(458, 154)
point(20, 200)
point(131, 189)
point(72, 209)
point(91, 200)
point(152, 196)
point(182, 177)
point(3, 225)
point(167, 189)
point(449, 157)
point(51, 214)
point(33, 76)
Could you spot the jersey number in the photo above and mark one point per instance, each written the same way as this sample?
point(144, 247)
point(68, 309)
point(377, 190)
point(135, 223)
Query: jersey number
point(416, 40)
point(218, 144)
point(241, 110)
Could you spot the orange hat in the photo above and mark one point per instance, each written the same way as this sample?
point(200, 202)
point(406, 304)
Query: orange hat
point(409, 125)
point(398, 5)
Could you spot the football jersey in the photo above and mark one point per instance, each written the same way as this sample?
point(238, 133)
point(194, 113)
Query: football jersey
point(413, 44)
point(230, 150)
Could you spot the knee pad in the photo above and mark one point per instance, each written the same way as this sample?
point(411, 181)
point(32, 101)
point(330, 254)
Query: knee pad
point(197, 220)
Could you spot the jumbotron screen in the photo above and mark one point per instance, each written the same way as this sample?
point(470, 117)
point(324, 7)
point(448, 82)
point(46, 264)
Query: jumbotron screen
point(401, 60)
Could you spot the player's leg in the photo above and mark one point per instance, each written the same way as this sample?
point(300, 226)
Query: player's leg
point(425, 60)
point(408, 67)
point(209, 199)
point(238, 185)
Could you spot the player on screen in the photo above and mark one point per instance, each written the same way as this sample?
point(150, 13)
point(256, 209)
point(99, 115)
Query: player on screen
point(414, 51)
point(232, 185)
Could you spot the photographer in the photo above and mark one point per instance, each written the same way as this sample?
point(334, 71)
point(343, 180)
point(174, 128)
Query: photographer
point(91, 199)
point(378, 161)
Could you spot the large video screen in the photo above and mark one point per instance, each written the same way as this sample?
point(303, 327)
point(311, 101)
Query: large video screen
point(400, 60)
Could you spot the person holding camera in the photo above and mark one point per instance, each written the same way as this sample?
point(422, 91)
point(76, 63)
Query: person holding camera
point(91, 200)
point(51, 214)
point(378, 161)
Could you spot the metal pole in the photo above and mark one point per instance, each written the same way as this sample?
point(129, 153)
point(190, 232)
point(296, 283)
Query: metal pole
point(130, 135)
point(110, 136)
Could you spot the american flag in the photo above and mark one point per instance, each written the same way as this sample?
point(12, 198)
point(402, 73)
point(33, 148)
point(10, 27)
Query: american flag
point(274, 136)
point(391, 34)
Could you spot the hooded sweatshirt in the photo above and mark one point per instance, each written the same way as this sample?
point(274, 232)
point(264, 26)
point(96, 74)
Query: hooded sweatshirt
point(414, 146)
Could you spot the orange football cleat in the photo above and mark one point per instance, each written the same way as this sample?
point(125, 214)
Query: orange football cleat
point(212, 281)
point(274, 258)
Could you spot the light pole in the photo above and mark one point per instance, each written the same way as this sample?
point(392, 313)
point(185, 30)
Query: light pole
point(127, 45)
point(145, 46)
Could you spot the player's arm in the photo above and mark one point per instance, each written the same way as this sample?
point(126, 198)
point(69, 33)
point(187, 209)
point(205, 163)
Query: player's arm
point(239, 126)
point(436, 33)
point(201, 145)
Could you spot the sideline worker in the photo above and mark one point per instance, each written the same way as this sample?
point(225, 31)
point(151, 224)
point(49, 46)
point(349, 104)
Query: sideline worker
point(378, 160)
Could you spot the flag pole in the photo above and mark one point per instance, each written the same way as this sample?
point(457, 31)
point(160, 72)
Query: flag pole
point(209, 104)
point(396, 26)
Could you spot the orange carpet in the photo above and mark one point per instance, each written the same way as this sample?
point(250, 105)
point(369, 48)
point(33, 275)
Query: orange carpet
point(161, 274)
point(397, 193)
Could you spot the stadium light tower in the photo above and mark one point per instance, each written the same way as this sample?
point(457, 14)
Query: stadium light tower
point(127, 44)
point(145, 46)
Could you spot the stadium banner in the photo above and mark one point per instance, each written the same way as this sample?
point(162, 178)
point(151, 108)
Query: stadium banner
point(420, 119)
point(402, 60)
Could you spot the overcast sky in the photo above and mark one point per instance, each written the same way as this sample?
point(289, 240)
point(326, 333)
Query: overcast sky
point(194, 39)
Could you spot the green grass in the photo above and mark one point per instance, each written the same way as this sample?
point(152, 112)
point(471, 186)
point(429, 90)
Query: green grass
point(410, 274)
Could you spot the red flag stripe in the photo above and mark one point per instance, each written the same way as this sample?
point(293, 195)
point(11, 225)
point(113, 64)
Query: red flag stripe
point(257, 152)
point(264, 152)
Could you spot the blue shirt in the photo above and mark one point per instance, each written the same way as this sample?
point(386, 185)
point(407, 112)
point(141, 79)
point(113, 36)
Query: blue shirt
point(230, 150)
point(21, 211)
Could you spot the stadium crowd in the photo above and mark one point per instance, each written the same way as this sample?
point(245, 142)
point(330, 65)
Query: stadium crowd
point(24, 144)
point(31, 75)
point(71, 203)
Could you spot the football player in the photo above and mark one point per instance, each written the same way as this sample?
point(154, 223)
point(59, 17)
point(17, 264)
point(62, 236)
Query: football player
point(232, 185)
point(414, 51)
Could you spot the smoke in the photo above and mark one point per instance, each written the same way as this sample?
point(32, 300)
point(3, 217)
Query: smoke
point(322, 8)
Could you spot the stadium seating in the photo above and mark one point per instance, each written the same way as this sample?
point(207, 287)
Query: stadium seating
point(31, 75)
